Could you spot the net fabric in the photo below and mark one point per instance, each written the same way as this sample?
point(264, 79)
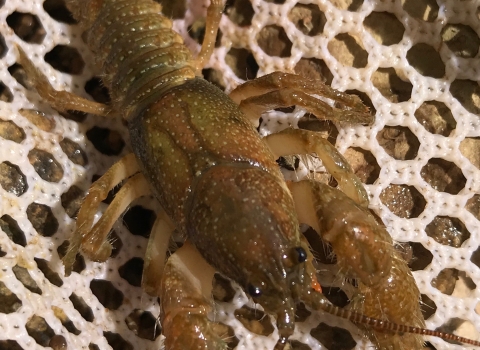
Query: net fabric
point(419, 160)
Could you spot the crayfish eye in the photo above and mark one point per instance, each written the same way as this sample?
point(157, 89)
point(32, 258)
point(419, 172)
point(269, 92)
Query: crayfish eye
point(301, 254)
point(254, 291)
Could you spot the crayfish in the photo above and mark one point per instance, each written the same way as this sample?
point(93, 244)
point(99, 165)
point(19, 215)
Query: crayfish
point(218, 183)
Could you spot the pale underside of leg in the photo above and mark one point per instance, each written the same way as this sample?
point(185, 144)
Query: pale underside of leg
point(279, 89)
point(296, 141)
point(60, 100)
point(123, 169)
point(186, 289)
point(155, 256)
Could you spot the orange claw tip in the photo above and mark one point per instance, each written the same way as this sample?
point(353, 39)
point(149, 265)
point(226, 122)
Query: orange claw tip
point(316, 286)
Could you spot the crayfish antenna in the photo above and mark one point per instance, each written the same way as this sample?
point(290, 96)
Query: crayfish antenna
point(319, 302)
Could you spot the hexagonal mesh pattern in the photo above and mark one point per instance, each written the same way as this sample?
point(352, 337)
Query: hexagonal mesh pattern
point(415, 63)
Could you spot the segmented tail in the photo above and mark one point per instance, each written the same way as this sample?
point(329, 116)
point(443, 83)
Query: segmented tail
point(141, 56)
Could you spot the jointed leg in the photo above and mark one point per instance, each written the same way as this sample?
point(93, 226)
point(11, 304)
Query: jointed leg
point(123, 169)
point(283, 89)
point(60, 100)
point(296, 141)
point(94, 243)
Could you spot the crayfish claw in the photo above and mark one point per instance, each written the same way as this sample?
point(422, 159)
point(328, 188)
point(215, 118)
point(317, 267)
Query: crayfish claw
point(185, 297)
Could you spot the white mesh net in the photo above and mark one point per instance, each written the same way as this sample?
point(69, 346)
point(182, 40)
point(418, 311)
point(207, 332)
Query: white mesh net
point(414, 62)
